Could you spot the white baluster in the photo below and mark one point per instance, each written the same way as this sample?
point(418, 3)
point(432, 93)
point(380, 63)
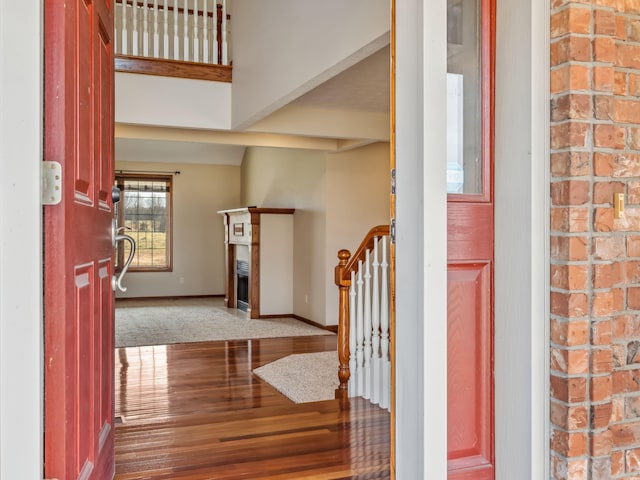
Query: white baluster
point(124, 47)
point(156, 33)
point(205, 33)
point(185, 35)
point(145, 29)
point(225, 52)
point(165, 31)
point(134, 35)
point(214, 56)
point(353, 382)
point(367, 325)
point(360, 332)
point(375, 326)
point(384, 327)
point(196, 35)
point(176, 39)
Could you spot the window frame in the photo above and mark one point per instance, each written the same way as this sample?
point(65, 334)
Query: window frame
point(120, 178)
point(487, 30)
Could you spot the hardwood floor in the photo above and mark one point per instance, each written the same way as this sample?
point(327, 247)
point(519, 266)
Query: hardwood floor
point(196, 412)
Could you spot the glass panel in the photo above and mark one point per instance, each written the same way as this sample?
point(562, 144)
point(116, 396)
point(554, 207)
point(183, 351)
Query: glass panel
point(145, 212)
point(464, 105)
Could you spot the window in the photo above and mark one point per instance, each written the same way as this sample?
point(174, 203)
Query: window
point(469, 96)
point(144, 211)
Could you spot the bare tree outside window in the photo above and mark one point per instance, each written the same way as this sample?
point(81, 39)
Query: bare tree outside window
point(145, 213)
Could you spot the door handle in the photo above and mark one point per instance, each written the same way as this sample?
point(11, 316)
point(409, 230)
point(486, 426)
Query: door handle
point(116, 281)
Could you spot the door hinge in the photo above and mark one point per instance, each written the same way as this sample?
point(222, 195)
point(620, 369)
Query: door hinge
point(392, 231)
point(393, 181)
point(50, 183)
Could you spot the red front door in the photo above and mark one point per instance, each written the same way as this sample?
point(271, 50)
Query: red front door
point(78, 303)
point(470, 240)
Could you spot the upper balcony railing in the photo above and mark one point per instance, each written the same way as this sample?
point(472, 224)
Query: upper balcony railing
point(183, 38)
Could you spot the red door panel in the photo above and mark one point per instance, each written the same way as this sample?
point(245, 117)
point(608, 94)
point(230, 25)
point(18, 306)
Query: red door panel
point(78, 303)
point(469, 377)
point(470, 231)
point(470, 239)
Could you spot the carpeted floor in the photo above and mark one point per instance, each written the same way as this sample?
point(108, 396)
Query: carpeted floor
point(306, 377)
point(163, 322)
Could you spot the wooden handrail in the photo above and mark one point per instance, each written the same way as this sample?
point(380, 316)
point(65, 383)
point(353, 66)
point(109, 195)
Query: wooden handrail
point(346, 265)
point(173, 68)
point(180, 9)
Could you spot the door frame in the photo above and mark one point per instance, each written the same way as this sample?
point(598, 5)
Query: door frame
point(21, 391)
point(521, 239)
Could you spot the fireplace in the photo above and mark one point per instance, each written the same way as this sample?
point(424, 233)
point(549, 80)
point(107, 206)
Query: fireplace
point(242, 285)
point(259, 260)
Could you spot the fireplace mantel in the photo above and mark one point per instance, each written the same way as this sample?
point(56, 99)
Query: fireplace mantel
point(264, 238)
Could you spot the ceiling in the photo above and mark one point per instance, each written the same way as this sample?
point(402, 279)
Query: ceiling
point(363, 87)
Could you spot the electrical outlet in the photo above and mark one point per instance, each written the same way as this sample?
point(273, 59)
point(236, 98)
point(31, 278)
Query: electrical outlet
point(306, 298)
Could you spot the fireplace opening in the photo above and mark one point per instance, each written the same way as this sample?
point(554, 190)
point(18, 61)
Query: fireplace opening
point(242, 285)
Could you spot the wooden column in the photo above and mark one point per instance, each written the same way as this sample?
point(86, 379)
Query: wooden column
point(343, 284)
point(254, 266)
point(229, 262)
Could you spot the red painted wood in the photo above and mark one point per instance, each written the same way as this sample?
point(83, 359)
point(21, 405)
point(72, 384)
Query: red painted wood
point(470, 244)
point(78, 109)
point(469, 381)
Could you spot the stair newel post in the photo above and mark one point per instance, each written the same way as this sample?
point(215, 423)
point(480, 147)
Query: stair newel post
point(343, 323)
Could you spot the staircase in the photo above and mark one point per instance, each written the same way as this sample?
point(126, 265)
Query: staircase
point(175, 38)
point(363, 320)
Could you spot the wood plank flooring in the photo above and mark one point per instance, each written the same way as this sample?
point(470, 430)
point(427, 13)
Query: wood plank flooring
point(196, 412)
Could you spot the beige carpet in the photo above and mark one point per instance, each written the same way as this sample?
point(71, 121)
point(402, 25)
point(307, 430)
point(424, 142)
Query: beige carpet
point(163, 322)
point(305, 377)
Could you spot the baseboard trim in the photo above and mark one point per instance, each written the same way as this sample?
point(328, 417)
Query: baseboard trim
point(330, 328)
point(168, 297)
point(311, 322)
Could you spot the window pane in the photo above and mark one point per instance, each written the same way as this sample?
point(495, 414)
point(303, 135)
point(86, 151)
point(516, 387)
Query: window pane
point(464, 99)
point(145, 211)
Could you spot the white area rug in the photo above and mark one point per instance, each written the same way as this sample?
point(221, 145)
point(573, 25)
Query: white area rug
point(305, 377)
point(162, 322)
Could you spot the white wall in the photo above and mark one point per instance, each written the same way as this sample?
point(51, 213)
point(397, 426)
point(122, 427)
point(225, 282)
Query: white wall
point(272, 41)
point(172, 102)
point(337, 197)
point(358, 189)
point(198, 234)
point(290, 178)
point(21, 361)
